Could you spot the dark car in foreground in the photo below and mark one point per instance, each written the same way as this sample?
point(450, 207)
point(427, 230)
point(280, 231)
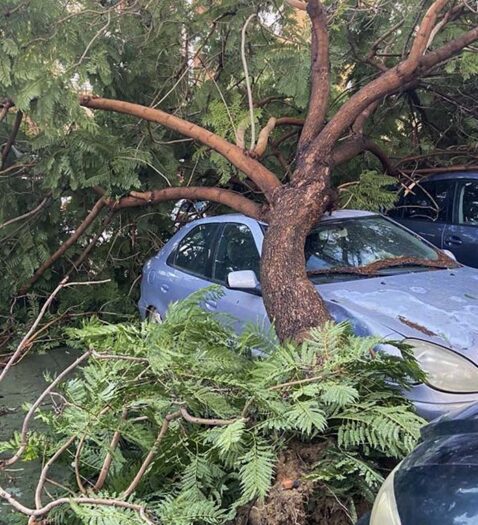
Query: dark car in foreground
point(437, 484)
point(443, 208)
point(382, 278)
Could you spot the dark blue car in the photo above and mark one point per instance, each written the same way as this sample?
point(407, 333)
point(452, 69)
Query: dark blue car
point(443, 208)
point(437, 484)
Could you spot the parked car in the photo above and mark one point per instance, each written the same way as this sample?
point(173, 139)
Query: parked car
point(434, 309)
point(437, 484)
point(443, 209)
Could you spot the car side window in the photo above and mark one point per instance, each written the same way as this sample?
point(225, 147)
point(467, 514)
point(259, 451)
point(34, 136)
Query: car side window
point(193, 253)
point(236, 251)
point(468, 203)
point(427, 201)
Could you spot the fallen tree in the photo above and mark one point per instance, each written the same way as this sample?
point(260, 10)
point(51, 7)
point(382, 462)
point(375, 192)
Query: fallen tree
point(292, 204)
point(292, 209)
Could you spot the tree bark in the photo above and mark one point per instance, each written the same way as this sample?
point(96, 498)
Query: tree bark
point(229, 198)
point(290, 298)
point(256, 171)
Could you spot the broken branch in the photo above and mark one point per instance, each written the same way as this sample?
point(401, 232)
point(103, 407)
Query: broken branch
point(259, 174)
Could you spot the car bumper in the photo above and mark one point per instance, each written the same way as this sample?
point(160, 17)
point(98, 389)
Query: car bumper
point(431, 411)
point(431, 403)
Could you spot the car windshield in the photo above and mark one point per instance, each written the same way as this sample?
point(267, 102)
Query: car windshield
point(343, 246)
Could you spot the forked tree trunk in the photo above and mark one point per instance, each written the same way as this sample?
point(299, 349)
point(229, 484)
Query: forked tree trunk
point(290, 298)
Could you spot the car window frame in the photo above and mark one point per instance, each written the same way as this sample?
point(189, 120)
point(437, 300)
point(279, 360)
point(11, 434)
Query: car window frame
point(456, 204)
point(174, 251)
point(218, 239)
point(450, 204)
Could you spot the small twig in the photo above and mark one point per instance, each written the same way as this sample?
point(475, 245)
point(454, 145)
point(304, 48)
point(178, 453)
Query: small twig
point(11, 138)
point(208, 422)
point(44, 472)
point(294, 383)
point(248, 82)
point(24, 341)
point(109, 456)
point(76, 462)
point(119, 357)
point(28, 214)
point(149, 458)
point(76, 264)
point(92, 41)
point(38, 402)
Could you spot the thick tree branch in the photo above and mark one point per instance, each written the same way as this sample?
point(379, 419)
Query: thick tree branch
point(385, 84)
point(92, 215)
point(290, 121)
point(376, 150)
point(297, 4)
point(264, 178)
point(349, 149)
point(425, 30)
point(320, 81)
point(229, 198)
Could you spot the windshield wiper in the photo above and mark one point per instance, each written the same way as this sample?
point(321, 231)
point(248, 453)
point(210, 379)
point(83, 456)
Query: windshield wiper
point(443, 262)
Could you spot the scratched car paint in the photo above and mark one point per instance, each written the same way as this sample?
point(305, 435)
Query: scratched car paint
point(433, 309)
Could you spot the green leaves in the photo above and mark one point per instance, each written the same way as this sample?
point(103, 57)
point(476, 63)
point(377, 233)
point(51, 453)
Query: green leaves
point(373, 191)
point(330, 394)
point(256, 471)
point(227, 437)
point(394, 430)
point(306, 416)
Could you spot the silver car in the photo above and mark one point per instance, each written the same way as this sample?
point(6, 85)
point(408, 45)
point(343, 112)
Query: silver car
point(384, 279)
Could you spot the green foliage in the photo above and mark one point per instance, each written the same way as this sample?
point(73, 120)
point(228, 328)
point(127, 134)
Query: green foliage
point(331, 392)
point(374, 191)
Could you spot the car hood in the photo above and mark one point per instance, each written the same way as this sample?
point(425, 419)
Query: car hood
point(437, 305)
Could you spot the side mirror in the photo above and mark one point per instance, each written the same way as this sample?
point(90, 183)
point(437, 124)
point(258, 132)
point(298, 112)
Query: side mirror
point(449, 254)
point(245, 280)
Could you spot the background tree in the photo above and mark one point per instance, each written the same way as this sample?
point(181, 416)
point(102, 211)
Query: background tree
point(268, 139)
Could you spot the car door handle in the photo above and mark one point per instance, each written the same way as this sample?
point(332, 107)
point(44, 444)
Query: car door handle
point(210, 305)
point(454, 239)
point(164, 288)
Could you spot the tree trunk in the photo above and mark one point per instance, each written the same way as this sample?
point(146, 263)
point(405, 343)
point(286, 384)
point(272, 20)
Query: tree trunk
point(290, 298)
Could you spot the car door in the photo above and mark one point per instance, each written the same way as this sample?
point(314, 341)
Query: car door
point(426, 209)
point(237, 250)
point(461, 236)
point(188, 267)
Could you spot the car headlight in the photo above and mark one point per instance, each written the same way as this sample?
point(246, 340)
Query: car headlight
point(446, 370)
point(385, 511)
